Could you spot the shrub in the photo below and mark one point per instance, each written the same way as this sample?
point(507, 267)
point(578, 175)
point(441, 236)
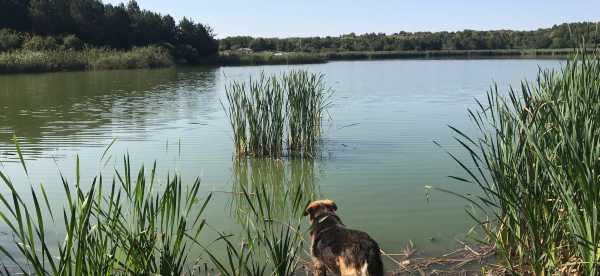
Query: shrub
point(25, 61)
point(185, 53)
point(143, 57)
point(40, 43)
point(10, 40)
point(72, 42)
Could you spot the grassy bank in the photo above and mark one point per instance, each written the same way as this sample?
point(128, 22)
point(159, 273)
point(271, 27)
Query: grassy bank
point(524, 53)
point(269, 58)
point(38, 61)
point(537, 161)
point(30, 61)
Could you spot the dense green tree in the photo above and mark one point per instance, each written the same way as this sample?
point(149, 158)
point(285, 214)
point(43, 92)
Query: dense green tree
point(559, 36)
point(49, 16)
point(118, 26)
point(198, 36)
point(14, 14)
point(94, 23)
point(88, 17)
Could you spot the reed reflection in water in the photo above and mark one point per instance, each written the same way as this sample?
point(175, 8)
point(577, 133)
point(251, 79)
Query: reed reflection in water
point(286, 185)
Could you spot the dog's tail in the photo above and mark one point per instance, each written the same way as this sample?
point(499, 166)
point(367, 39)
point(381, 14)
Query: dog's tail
point(375, 265)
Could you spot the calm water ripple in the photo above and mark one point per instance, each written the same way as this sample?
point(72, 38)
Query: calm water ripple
point(378, 153)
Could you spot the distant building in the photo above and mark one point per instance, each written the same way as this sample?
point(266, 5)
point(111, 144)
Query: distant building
point(245, 50)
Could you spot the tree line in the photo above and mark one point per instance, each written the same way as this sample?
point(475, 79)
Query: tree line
point(121, 26)
point(559, 36)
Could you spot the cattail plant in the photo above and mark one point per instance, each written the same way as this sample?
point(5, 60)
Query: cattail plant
point(307, 99)
point(537, 161)
point(274, 115)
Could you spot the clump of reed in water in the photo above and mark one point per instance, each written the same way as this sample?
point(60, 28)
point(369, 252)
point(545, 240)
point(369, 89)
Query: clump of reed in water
point(537, 161)
point(273, 114)
point(307, 95)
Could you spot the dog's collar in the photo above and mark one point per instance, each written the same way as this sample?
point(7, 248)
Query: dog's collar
point(321, 220)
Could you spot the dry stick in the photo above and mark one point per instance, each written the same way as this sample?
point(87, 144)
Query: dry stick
point(423, 263)
point(229, 192)
point(467, 247)
point(392, 259)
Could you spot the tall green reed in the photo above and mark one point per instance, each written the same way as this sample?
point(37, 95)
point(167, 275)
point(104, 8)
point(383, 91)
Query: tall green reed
point(274, 115)
point(130, 225)
point(537, 161)
point(307, 99)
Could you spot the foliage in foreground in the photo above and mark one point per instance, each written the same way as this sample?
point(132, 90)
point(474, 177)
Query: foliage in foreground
point(537, 160)
point(268, 202)
point(34, 61)
point(273, 114)
point(131, 226)
point(135, 226)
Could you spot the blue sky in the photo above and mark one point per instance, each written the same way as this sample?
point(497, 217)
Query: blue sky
point(286, 18)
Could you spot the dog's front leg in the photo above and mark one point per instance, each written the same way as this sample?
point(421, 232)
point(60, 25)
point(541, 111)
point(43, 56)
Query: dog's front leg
point(319, 268)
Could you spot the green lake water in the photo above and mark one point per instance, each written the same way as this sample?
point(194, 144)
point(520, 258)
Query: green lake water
point(376, 159)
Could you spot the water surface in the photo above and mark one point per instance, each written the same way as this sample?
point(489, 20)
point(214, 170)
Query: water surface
point(377, 155)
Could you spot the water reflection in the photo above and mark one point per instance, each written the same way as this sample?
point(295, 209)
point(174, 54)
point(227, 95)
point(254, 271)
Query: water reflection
point(69, 109)
point(285, 185)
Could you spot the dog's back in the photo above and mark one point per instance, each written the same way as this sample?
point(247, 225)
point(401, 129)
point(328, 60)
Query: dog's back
point(346, 252)
point(336, 248)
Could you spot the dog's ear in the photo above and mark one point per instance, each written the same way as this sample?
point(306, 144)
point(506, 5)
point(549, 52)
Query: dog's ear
point(310, 207)
point(307, 210)
point(330, 204)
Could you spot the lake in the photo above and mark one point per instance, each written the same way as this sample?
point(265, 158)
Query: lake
point(376, 159)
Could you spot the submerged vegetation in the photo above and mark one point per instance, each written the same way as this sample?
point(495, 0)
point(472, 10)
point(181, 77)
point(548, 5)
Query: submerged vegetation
point(275, 115)
point(537, 161)
point(268, 200)
point(296, 178)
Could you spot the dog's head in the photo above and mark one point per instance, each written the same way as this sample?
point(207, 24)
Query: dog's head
point(319, 208)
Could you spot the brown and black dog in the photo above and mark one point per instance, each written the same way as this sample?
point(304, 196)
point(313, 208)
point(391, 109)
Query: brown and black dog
point(338, 249)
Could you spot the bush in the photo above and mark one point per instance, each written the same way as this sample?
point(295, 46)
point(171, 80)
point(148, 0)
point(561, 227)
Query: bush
point(143, 57)
point(23, 61)
point(72, 42)
point(10, 40)
point(40, 43)
point(185, 53)
point(26, 61)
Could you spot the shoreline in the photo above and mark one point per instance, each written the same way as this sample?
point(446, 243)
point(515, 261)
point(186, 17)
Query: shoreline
point(273, 58)
point(14, 63)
